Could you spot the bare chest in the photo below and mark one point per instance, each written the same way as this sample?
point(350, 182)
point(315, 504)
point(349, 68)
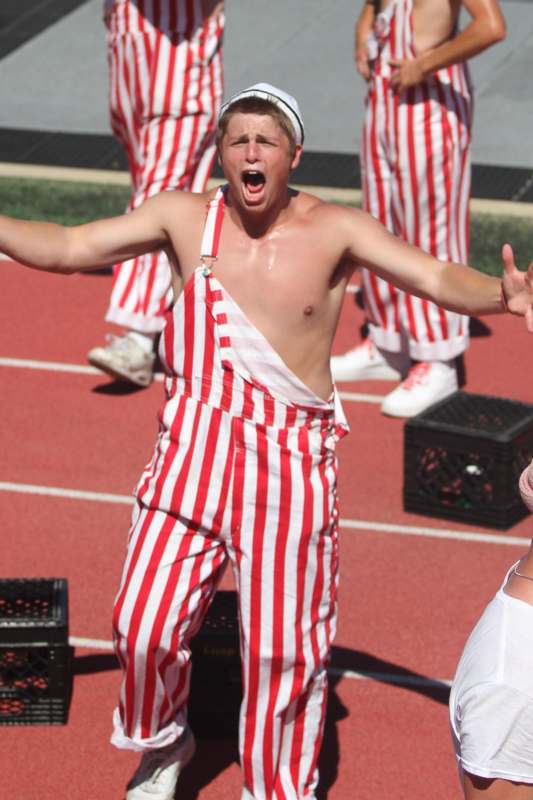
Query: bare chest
point(285, 277)
point(433, 20)
point(286, 284)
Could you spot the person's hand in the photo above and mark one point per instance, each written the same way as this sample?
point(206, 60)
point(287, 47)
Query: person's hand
point(405, 73)
point(361, 62)
point(106, 12)
point(517, 287)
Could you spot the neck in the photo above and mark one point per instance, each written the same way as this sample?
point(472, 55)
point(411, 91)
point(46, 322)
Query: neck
point(527, 562)
point(257, 223)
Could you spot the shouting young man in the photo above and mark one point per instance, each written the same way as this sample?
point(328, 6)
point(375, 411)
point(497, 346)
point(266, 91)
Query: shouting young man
point(244, 468)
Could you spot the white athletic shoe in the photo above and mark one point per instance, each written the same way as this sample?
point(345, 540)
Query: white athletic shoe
point(426, 383)
point(157, 774)
point(368, 362)
point(124, 360)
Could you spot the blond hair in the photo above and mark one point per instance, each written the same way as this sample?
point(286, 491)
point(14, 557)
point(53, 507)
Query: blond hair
point(256, 105)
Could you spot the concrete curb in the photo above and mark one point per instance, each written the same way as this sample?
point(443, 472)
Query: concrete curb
point(329, 193)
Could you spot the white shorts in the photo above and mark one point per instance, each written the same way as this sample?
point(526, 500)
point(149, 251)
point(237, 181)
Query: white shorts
point(491, 700)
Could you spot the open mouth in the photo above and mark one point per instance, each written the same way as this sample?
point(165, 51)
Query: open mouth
point(254, 180)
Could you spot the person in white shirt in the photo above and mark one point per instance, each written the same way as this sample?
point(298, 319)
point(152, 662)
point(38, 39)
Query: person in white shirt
point(491, 700)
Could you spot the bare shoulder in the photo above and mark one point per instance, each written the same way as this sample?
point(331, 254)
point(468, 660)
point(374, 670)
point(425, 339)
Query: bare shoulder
point(334, 216)
point(178, 214)
point(340, 233)
point(172, 202)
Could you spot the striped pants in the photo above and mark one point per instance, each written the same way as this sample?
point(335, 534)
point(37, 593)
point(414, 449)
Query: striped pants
point(264, 499)
point(165, 90)
point(415, 162)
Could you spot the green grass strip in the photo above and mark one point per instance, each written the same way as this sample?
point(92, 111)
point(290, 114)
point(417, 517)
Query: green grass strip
point(65, 202)
point(489, 232)
point(71, 203)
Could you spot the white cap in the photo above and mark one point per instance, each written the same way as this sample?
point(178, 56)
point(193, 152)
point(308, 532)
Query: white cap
point(285, 102)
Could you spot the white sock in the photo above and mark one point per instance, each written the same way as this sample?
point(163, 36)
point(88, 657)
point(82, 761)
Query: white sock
point(144, 340)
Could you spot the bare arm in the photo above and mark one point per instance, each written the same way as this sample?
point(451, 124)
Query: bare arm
point(486, 27)
point(56, 248)
point(456, 287)
point(363, 26)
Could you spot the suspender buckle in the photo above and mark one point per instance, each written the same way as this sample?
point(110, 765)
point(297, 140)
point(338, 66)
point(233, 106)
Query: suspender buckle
point(207, 264)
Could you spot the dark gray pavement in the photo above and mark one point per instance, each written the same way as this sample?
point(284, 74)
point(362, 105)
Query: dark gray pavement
point(57, 80)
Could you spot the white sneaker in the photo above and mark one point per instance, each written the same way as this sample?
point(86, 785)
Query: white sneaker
point(157, 774)
point(368, 362)
point(124, 360)
point(426, 383)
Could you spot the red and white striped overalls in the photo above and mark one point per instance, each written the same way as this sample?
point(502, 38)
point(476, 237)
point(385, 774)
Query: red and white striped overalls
point(165, 91)
point(244, 473)
point(415, 160)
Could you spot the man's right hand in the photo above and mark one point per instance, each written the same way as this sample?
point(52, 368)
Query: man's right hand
point(363, 27)
point(361, 62)
point(106, 13)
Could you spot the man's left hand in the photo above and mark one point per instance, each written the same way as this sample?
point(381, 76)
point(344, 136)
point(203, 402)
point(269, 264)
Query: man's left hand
point(405, 73)
point(517, 287)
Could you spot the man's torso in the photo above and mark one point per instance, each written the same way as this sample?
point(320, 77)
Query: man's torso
point(434, 21)
point(289, 283)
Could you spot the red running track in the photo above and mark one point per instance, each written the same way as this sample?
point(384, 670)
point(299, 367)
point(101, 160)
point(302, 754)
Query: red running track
point(407, 601)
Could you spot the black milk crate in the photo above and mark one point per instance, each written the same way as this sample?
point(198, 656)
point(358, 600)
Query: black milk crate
point(216, 680)
point(35, 658)
point(463, 457)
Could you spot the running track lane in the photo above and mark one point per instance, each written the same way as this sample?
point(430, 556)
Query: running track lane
point(406, 602)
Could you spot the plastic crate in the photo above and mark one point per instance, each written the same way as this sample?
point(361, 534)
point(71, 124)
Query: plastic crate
point(35, 658)
point(216, 681)
point(463, 457)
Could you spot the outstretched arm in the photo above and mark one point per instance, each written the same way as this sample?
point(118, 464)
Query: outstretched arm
point(56, 248)
point(454, 286)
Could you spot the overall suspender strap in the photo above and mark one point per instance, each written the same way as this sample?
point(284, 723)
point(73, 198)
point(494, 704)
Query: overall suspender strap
point(213, 226)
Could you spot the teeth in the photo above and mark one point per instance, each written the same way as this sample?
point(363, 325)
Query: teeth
point(253, 177)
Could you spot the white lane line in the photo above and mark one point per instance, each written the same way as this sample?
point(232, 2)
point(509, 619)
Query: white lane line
point(69, 494)
point(353, 524)
point(57, 366)
point(389, 677)
point(356, 397)
point(363, 675)
point(80, 369)
point(433, 533)
point(90, 644)
point(53, 366)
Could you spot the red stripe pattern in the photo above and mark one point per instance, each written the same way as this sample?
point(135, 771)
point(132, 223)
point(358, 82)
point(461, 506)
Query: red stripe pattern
point(165, 91)
point(415, 161)
point(242, 476)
